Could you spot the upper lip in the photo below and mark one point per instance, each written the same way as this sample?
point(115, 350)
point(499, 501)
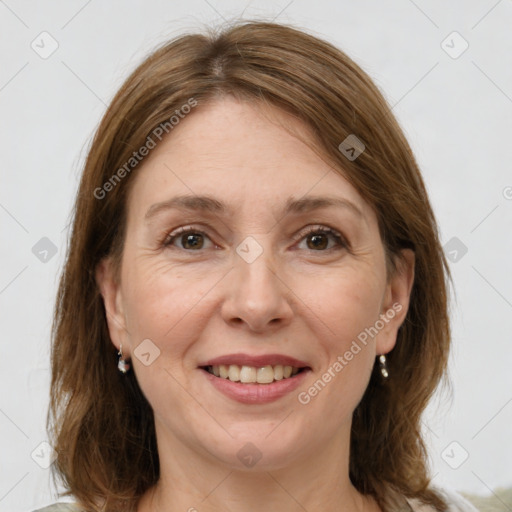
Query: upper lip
point(257, 361)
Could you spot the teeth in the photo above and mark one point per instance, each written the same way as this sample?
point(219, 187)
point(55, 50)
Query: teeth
point(248, 374)
point(234, 372)
point(278, 372)
point(252, 374)
point(264, 375)
point(223, 371)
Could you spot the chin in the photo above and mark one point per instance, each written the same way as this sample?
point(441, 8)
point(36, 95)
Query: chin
point(257, 449)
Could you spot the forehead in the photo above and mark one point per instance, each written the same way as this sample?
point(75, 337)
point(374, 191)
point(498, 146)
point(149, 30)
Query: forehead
point(244, 152)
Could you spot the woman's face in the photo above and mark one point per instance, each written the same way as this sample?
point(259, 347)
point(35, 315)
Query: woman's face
point(244, 248)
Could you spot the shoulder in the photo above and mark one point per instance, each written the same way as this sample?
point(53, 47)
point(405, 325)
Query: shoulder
point(456, 502)
point(60, 507)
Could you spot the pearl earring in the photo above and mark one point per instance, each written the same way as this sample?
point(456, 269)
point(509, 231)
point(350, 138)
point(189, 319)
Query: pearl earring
point(122, 365)
point(383, 366)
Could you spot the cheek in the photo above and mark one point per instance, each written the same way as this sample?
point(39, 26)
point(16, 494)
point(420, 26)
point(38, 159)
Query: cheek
point(345, 312)
point(347, 303)
point(163, 303)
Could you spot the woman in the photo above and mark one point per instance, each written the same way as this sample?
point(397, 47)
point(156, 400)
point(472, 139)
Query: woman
point(253, 312)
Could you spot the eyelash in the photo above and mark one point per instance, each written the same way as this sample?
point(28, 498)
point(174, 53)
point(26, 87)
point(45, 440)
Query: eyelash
point(340, 239)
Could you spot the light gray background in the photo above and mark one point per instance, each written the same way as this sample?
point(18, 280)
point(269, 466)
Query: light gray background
point(457, 115)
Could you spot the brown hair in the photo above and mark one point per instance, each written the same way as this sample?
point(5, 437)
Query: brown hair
point(99, 421)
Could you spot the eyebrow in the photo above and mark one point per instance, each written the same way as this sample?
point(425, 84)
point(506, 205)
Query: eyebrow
point(210, 204)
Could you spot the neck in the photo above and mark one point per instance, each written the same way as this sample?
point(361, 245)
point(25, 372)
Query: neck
point(197, 482)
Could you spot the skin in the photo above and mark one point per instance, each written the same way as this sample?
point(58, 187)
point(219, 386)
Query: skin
point(298, 298)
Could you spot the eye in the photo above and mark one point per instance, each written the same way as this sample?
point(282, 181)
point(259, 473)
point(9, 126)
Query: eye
point(190, 238)
point(317, 239)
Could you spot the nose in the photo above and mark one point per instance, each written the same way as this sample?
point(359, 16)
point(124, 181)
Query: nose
point(258, 295)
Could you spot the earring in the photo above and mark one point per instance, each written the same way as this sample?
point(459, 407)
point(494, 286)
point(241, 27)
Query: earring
point(383, 366)
point(122, 365)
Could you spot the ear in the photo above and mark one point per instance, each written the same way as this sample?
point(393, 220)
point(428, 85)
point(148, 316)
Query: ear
point(396, 301)
point(110, 290)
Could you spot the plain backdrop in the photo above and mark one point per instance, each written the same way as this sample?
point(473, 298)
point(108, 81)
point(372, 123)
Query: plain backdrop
point(445, 68)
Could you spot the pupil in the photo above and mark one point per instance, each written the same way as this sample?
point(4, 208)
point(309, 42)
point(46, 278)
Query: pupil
point(318, 238)
point(191, 241)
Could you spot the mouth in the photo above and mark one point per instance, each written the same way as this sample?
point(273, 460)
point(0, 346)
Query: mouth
point(254, 374)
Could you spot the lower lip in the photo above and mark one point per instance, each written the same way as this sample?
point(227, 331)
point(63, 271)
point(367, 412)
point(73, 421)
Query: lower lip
point(256, 393)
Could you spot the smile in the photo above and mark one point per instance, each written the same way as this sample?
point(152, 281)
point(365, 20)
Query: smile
point(254, 392)
point(252, 374)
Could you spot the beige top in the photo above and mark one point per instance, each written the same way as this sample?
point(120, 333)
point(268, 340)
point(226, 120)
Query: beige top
point(456, 504)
